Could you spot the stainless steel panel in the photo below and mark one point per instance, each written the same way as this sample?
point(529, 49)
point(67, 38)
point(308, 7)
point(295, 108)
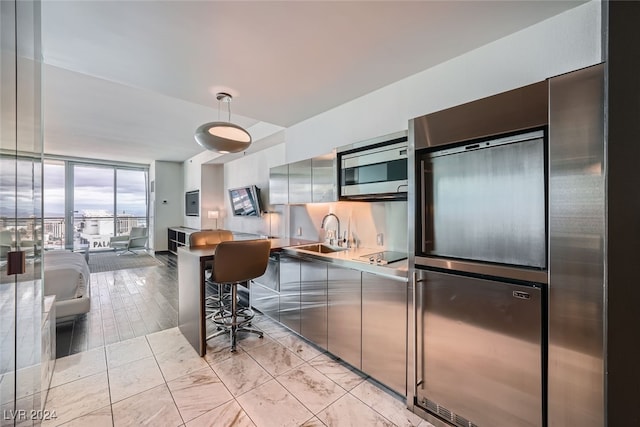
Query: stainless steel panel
point(290, 292)
point(266, 300)
point(191, 291)
point(279, 185)
point(372, 141)
point(271, 277)
point(399, 186)
point(344, 314)
point(481, 349)
point(518, 109)
point(313, 301)
point(413, 241)
point(576, 250)
point(384, 330)
point(324, 178)
point(300, 181)
point(487, 203)
point(375, 155)
point(528, 275)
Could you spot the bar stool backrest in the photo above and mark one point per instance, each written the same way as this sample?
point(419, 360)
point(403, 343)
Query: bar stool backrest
point(209, 237)
point(240, 260)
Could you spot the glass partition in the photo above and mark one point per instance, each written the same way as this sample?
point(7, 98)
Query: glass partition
point(22, 383)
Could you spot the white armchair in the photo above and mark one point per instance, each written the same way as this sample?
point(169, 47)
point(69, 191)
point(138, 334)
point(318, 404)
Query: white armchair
point(7, 244)
point(137, 239)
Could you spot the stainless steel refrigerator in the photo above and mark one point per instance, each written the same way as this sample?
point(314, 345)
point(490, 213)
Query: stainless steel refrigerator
point(482, 254)
point(506, 206)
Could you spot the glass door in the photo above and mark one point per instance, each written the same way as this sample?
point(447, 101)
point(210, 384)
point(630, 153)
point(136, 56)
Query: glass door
point(132, 200)
point(54, 205)
point(92, 213)
point(21, 300)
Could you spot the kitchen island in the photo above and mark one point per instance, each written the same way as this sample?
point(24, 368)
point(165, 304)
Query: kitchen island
point(191, 288)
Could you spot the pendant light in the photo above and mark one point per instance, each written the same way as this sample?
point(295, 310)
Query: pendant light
point(223, 137)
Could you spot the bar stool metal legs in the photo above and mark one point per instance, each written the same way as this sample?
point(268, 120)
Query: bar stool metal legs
point(229, 318)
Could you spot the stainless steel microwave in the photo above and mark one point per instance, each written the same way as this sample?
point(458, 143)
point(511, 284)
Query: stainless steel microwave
point(375, 171)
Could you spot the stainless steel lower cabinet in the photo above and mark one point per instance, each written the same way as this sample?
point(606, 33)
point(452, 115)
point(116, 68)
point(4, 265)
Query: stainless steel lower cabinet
point(313, 301)
point(266, 300)
point(344, 314)
point(289, 309)
point(384, 330)
point(479, 354)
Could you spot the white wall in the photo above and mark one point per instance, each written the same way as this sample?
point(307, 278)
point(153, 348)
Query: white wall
point(560, 44)
point(211, 195)
point(192, 178)
point(563, 43)
point(166, 202)
point(253, 169)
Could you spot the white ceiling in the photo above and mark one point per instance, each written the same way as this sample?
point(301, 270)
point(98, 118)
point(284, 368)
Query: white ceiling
point(132, 80)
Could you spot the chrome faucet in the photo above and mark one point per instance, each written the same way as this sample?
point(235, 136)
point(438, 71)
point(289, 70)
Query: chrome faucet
point(324, 219)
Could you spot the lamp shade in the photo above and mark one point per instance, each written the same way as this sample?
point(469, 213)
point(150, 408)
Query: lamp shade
point(213, 214)
point(223, 137)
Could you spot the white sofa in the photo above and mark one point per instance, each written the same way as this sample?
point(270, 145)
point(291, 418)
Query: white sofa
point(67, 276)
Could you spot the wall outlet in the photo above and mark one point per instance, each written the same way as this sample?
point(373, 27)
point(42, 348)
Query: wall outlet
point(299, 231)
point(380, 239)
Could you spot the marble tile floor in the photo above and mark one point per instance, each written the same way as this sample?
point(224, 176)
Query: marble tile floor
point(158, 379)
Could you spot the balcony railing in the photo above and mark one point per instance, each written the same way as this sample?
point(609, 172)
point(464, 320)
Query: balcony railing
point(92, 231)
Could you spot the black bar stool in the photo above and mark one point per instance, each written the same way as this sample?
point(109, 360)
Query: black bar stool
point(237, 262)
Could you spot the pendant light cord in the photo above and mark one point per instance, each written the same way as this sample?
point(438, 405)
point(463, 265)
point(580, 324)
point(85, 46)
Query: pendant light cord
point(223, 97)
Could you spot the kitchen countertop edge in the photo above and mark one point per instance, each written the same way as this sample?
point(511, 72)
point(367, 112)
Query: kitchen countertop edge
point(396, 271)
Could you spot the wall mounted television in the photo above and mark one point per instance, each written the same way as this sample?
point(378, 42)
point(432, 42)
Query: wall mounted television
point(245, 201)
point(192, 203)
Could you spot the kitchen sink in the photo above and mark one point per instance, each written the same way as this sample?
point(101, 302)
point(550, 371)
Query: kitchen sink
point(320, 248)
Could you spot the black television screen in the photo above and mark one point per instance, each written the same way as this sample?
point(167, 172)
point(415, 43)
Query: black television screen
point(192, 203)
point(245, 201)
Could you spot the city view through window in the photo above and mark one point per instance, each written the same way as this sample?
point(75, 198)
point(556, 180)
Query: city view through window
point(99, 201)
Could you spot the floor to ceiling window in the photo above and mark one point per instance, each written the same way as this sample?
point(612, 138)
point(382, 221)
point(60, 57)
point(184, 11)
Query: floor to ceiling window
point(88, 203)
point(54, 189)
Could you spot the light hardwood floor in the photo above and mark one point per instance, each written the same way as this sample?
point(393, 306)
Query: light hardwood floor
point(124, 304)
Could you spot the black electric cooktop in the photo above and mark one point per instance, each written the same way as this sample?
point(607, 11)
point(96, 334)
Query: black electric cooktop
point(382, 258)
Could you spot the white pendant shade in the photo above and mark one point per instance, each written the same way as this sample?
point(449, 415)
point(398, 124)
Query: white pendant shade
point(229, 131)
point(223, 137)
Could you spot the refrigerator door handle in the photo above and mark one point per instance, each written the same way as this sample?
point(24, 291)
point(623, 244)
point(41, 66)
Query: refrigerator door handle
point(418, 328)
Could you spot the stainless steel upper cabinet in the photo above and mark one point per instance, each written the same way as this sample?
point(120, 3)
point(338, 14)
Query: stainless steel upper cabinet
point(279, 185)
point(324, 178)
point(300, 181)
